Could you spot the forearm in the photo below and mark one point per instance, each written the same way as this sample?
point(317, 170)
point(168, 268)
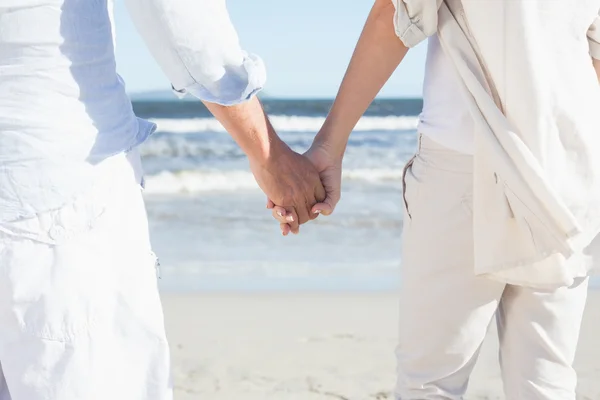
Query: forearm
point(377, 54)
point(249, 126)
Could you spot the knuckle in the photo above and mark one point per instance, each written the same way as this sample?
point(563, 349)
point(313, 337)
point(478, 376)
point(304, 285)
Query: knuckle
point(288, 200)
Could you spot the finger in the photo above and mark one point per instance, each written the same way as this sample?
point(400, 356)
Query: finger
point(303, 211)
point(324, 208)
point(295, 224)
point(270, 204)
point(320, 196)
point(312, 215)
point(281, 215)
point(320, 192)
point(285, 229)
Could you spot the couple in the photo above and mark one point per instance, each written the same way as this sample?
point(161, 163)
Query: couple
point(501, 200)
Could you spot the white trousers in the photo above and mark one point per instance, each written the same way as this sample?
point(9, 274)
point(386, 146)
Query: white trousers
point(447, 310)
point(80, 313)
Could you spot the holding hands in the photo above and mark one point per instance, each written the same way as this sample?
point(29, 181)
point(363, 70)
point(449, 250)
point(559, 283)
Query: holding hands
point(300, 187)
point(328, 166)
point(376, 56)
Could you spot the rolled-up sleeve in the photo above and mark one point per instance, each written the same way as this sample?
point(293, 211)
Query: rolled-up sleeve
point(593, 35)
point(415, 20)
point(198, 49)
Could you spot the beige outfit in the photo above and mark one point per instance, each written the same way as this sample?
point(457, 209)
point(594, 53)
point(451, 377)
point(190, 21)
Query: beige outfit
point(506, 231)
point(527, 77)
point(446, 309)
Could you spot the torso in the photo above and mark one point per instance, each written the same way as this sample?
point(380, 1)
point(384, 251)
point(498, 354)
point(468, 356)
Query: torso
point(445, 117)
point(542, 69)
point(63, 107)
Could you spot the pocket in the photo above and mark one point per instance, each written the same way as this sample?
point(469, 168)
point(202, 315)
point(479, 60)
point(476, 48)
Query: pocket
point(55, 292)
point(103, 280)
point(61, 291)
point(138, 309)
point(405, 172)
point(156, 261)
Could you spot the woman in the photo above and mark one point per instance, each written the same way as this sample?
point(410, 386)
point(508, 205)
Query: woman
point(501, 198)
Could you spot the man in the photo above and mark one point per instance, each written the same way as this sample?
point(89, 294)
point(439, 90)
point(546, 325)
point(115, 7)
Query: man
point(80, 315)
point(502, 199)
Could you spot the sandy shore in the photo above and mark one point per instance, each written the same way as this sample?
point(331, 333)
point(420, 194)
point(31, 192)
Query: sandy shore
point(310, 347)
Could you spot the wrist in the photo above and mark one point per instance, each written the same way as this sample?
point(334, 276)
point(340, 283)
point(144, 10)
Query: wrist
point(332, 141)
point(268, 151)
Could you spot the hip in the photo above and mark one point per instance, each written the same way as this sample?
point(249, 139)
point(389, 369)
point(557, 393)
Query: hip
point(112, 185)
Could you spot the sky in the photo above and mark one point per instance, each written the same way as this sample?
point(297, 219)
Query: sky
point(306, 46)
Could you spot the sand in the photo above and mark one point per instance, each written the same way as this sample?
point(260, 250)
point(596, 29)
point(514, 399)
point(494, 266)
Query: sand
point(310, 347)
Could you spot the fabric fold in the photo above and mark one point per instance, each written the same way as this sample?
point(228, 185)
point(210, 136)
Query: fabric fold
point(525, 233)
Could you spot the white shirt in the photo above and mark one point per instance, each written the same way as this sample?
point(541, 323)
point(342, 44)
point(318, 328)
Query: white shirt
point(64, 108)
point(445, 117)
point(527, 77)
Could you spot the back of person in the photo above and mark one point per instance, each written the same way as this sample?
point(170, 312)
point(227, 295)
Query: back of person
point(537, 56)
point(496, 196)
point(64, 108)
point(504, 185)
point(80, 310)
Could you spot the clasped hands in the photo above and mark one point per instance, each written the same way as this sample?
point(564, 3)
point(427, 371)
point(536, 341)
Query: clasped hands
point(299, 187)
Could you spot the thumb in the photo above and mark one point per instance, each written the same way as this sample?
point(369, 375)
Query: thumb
point(326, 207)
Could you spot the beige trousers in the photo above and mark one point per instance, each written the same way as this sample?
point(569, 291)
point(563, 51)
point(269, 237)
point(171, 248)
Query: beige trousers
point(447, 310)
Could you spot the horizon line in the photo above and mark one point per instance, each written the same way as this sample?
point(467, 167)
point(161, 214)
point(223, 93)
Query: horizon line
point(165, 96)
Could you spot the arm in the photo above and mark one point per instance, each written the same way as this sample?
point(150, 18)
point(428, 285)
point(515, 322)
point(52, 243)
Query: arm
point(378, 53)
point(197, 47)
point(392, 27)
point(250, 128)
point(288, 179)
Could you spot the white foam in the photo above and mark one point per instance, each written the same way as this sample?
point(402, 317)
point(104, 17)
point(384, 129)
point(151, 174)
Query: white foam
point(285, 123)
point(197, 181)
point(373, 175)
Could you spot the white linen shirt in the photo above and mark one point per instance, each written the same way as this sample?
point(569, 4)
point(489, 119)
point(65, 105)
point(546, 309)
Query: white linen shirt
point(64, 108)
point(527, 77)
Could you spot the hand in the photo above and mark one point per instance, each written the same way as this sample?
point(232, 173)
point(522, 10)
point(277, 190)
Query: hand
point(292, 182)
point(329, 166)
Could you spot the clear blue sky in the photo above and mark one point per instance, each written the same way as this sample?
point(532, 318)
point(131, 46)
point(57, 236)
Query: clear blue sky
point(306, 46)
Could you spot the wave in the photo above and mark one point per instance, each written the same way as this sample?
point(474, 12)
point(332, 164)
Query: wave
point(286, 123)
point(198, 181)
point(206, 147)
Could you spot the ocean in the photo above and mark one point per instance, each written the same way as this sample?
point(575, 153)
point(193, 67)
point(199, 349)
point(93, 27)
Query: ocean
point(212, 232)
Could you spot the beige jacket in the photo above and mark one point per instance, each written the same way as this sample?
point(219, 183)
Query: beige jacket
point(529, 82)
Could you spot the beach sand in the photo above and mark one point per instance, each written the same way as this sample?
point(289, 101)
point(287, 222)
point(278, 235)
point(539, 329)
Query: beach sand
point(316, 347)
